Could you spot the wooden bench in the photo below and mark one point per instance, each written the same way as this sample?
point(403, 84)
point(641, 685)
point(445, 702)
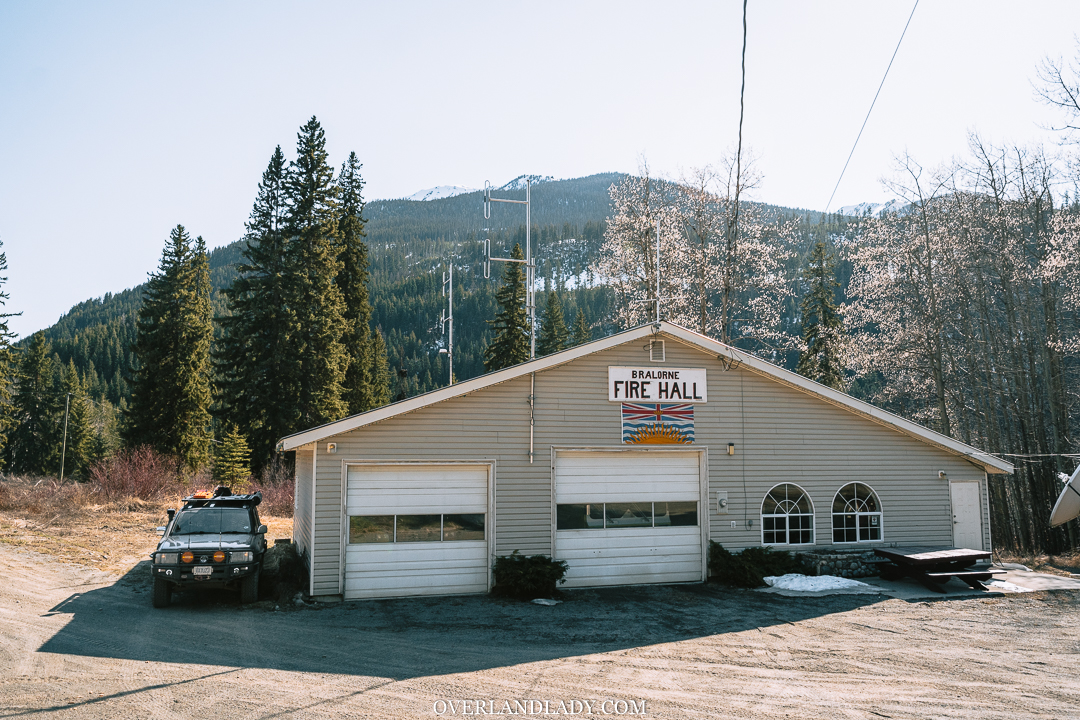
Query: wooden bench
point(933, 567)
point(974, 578)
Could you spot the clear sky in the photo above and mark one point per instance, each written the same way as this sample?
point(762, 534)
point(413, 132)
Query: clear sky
point(120, 120)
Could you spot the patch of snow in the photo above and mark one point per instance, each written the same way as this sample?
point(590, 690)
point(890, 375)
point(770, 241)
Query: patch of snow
point(1002, 586)
point(868, 209)
point(545, 601)
point(518, 183)
point(1063, 478)
point(573, 282)
point(440, 192)
point(805, 583)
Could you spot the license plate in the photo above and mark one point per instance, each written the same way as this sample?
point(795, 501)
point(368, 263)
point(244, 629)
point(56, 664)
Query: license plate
point(202, 570)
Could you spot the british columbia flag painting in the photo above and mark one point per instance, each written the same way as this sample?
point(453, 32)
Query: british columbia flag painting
point(657, 423)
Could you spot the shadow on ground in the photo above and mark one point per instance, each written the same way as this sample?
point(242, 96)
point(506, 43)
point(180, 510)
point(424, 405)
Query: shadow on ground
point(407, 638)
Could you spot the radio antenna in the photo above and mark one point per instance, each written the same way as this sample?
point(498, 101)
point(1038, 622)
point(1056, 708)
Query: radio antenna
point(530, 266)
point(446, 322)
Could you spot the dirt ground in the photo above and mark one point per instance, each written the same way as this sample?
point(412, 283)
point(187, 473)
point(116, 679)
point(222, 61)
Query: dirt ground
point(79, 639)
point(104, 537)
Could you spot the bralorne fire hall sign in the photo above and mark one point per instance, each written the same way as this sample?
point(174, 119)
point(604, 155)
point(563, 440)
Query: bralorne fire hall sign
point(657, 404)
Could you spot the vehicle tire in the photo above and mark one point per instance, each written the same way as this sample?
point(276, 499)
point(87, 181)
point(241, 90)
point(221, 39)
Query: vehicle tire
point(162, 593)
point(249, 588)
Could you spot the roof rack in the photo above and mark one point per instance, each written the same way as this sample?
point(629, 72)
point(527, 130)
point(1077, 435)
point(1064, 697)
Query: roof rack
point(205, 497)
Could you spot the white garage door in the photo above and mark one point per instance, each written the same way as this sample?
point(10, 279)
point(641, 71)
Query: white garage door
point(628, 518)
point(416, 530)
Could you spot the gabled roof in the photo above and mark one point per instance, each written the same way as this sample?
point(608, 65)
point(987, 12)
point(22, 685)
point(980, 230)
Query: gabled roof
point(722, 352)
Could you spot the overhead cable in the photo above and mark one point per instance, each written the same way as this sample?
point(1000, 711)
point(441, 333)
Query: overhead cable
point(828, 204)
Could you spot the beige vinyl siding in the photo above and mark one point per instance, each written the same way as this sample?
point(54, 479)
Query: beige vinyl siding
point(302, 500)
point(781, 435)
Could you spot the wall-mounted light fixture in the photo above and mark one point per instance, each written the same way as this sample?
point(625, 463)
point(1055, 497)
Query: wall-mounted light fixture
point(731, 448)
point(331, 448)
point(941, 474)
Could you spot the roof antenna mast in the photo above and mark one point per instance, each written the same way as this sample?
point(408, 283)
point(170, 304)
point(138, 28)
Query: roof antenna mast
point(530, 266)
point(448, 319)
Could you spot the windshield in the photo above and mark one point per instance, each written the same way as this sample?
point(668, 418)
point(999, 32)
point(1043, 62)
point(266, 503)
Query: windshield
point(212, 520)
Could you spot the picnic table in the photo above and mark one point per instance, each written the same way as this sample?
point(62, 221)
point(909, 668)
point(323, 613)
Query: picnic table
point(934, 566)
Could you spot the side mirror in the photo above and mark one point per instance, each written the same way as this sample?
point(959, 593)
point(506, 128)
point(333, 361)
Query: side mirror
point(263, 530)
point(160, 530)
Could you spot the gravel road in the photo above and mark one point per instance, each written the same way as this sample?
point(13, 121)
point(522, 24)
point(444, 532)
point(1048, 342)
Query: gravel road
point(77, 642)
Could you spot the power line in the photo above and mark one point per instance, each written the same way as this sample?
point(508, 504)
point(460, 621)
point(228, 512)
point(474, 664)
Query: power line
point(871, 106)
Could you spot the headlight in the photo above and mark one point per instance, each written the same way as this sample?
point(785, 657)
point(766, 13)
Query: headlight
point(242, 557)
point(166, 558)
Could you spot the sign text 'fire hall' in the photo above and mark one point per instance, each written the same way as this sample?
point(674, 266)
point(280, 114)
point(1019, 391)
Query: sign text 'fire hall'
point(656, 384)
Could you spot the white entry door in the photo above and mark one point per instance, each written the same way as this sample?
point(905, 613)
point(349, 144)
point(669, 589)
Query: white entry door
point(629, 517)
point(967, 515)
point(417, 530)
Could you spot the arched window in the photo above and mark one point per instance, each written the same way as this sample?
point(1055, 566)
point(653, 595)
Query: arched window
point(856, 514)
point(787, 516)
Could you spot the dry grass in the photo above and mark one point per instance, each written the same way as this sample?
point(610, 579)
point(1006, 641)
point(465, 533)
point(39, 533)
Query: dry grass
point(1066, 564)
point(80, 523)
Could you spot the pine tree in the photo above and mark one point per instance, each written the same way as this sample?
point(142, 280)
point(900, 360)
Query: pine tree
point(823, 329)
point(510, 345)
point(315, 337)
point(7, 367)
point(79, 452)
point(170, 397)
point(352, 280)
point(380, 371)
point(34, 447)
point(258, 374)
point(553, 332)
point(106, 438)
point(232, 462)
point(581, 333)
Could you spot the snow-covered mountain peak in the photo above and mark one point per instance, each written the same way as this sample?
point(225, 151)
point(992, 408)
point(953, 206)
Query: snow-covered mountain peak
point(868, 209)
point(440, 192)
point(518, 183)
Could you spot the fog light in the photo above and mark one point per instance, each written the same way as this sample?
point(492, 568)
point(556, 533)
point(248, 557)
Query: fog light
point(187, 557)
point(219, 556)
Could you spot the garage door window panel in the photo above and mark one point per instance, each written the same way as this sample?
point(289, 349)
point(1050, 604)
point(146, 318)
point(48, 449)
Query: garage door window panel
point(625, 515)
point(463, 527)
point(579, 516)
point(419, 528)
point(856, 514)
point(371, 529)
point(787, 516)
point(675, 514)
point(451, 527)
point(614, 516)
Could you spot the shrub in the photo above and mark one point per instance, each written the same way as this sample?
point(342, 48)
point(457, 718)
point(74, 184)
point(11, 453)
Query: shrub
point(527, 577)
point(277, 485)
point(749, 568)
point(138, 472)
